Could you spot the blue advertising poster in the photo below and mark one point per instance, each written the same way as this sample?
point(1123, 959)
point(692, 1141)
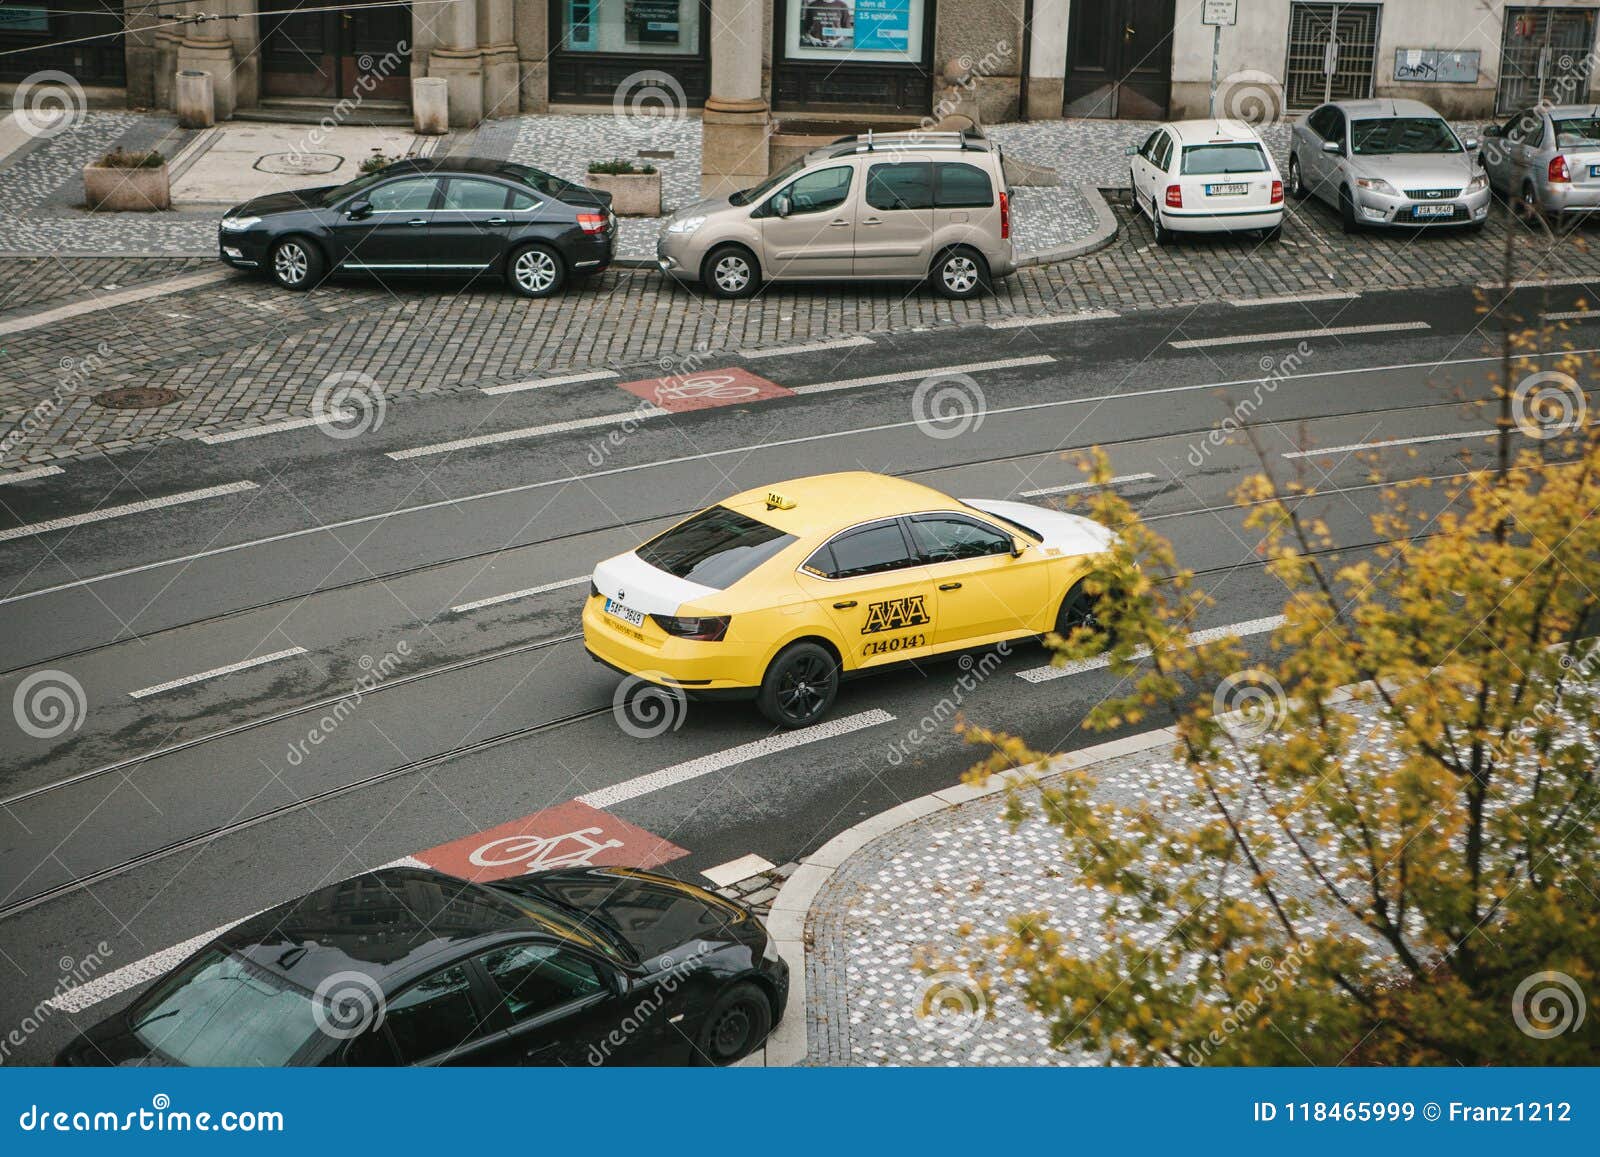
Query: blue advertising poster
point(883, 25)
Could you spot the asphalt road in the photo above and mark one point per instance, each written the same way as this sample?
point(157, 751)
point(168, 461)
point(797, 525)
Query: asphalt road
point(450, 579)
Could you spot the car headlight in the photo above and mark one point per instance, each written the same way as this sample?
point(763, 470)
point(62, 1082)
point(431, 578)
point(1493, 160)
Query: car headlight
point(685, 224)
point(239, 224)
point(1478, 183)
point(1375, 185)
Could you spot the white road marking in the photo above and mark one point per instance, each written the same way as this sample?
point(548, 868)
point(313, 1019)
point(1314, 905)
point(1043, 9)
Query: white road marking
point(24, 475)
point(932, 372)
point(1293, 334)
point(735, 870)
point(270, 428)
point(1210, 635)
point(638, 414)
point(541, 383)
point(1536, 282)
point(1571, 315)
point(1291, 299)
point(1052, 319)
point(201, 676)
point(492, 600)
point(529, 487)
point(110, 300)
point(808, 347)
point(107, 512)
point(1071, 486)
point(733, 756)
point(103, 987)
point(1388, 442)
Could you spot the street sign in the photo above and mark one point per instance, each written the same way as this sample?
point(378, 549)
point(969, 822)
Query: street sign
point(1220, 13)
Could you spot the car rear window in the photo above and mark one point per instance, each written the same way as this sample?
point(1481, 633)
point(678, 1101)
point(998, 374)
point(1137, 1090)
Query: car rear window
point(716, 548)
point(1402, 135)
point(1208, 160)
point(961, 186)
point(1578, 133)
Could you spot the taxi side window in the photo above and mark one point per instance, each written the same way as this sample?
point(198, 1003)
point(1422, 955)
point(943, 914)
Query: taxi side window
point(868, 550)
point(948, 538)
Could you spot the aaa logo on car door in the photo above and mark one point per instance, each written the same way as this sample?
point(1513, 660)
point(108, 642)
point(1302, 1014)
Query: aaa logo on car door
point(896, 614)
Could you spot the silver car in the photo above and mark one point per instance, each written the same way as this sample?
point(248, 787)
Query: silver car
point(1547, 158)
point(877, 207)
point(1388, 162)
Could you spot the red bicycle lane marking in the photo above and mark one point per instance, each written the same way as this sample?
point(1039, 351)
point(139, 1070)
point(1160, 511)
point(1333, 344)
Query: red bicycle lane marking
point(569, 835)
point(705, 389)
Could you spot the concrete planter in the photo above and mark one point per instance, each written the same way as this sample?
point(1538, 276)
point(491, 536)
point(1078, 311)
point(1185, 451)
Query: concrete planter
point(118, 190)
point(632, 194)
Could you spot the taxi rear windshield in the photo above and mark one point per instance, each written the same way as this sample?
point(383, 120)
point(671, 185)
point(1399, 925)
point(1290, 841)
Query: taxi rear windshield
point(716, 548)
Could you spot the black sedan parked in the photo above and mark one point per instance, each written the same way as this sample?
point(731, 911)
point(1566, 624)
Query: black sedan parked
point(583, 966)
point(457, 217)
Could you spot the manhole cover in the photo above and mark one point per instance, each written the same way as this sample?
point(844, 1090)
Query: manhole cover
point(136, 398)
point(298, 164)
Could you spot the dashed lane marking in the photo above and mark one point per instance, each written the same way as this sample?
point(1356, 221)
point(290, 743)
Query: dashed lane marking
point(215, 672)
point(1052, 319)
point(718, 760)
point(542, 383)
point(1387, 442)
point(809, 347)
point(271, 428)
point(640, 414)
point(1292, 298)
point(493, 600)
point(25, 475)
point(735, 870)
point(927, 374)
point(1078, 666)
point(1571, 315)
point(1071, 486)
point(1297, 334)
point(109, 512)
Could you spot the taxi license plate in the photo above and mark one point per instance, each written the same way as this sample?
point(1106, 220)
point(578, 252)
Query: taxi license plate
point(626, 614)
point(1226, 190)
point(1435, 210)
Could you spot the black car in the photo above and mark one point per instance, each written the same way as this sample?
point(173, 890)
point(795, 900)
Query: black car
point(453, 218)
point(582, 966)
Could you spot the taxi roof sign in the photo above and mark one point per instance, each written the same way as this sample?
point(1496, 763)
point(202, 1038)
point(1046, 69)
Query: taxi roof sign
point(776, 501)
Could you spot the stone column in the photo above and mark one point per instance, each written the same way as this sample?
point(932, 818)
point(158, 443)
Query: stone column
point(1047, 60)
point(733, 151)
point(533, 50)
point(457, 57)
point(500, 73)
point(207, 47)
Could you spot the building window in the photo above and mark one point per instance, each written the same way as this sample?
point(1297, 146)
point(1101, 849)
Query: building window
point(638, 27)
point(608, 51)
point(1333, 50)
point(64, 36)
point(846, 56)
point(857, 31)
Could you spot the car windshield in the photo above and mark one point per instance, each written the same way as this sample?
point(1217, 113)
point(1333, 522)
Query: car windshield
point(1578, 133)
point(1206, 160)
point(222, 1010)
point(716, 548)
point(755, 193)
point(1402, 135)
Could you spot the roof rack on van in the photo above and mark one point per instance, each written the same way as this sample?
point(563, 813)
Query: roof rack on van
point(906, 138)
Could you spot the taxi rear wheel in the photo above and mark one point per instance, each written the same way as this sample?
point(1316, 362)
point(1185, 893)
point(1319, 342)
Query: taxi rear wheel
point(799, 686)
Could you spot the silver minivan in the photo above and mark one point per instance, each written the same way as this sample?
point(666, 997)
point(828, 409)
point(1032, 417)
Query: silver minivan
point(895, 206)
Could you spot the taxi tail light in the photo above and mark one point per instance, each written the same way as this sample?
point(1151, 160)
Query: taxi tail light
point(592, 222)
point(1005, 217)
point(1277, 192)
point(706, 629)
point(1558, 169)
point(1174, 196)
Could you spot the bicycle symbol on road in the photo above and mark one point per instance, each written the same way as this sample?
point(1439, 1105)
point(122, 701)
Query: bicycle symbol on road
point(569, 850)
point(715, 387)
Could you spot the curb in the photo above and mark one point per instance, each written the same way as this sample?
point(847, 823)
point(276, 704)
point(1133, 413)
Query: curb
point(1105, 232)
point(789, 1043)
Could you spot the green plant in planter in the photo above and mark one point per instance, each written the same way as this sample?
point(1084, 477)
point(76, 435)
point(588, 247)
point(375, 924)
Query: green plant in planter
point(621, 167)
point(377, 161)
point(119, 159)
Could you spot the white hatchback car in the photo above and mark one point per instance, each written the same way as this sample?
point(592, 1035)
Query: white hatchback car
point(1210, 176)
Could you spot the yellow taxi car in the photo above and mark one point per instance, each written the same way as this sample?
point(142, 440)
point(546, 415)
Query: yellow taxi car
point(778, 593)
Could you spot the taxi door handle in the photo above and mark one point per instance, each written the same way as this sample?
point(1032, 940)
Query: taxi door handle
point(844, 606)
point(949, 586)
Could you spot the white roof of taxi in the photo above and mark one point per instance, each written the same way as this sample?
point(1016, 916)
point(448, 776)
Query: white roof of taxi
point(1213, 132)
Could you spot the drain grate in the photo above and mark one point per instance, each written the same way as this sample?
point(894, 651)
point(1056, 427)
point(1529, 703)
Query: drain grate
point(136, 398)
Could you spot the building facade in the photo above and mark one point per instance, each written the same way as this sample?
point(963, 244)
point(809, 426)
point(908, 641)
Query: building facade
point(748, 62)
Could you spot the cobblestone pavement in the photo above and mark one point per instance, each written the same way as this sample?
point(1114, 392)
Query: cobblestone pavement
point(41, 186)
point(30, 282)
point(241, 351)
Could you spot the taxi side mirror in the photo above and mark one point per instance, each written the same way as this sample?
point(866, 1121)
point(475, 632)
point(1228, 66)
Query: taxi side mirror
point(1018, 546)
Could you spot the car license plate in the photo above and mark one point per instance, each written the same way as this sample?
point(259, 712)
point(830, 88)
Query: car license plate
point(626, 614)
point(1226, 190)
point(1435, 210)
point(1594, 170)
